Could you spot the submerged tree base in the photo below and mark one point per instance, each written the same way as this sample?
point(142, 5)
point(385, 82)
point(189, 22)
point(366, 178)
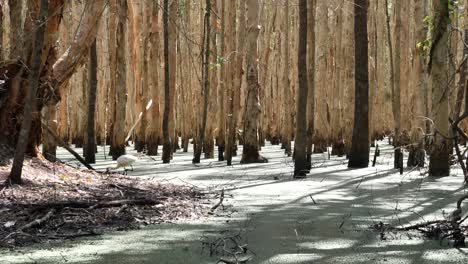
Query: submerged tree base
point(250, 155)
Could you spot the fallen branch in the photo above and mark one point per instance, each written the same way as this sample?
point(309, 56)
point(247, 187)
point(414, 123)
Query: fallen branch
point(94, 205)
point(221, 199)
point(37, 222)
point(65, 146)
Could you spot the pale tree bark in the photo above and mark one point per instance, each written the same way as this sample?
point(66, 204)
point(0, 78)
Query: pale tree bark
point(416, 150)
point(250, 153)
point(29, 106)
point(359, 155)
point(118, 134)
point(395, 53)
point(153, 130)
point(439, 162)
point(300, 142)
point(75, 55)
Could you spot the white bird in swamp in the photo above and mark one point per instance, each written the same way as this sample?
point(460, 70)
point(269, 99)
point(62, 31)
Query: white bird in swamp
point(124, 161)
point(127, 160)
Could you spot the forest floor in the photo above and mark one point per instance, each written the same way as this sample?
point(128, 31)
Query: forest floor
point(60, 202)
point(267, 217)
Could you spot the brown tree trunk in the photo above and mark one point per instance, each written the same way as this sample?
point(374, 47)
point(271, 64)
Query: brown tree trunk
point(359, 155)
point(167, 146)
point(439, 163)
point(118, 143)
point(154, 127)
point(90, 149)
point(206, 81)
point(300, 141)
point(29, 105)
point(250, 153)
point(287, 121)
point(311, 81)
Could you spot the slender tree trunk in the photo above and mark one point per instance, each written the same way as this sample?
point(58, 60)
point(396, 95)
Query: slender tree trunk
point(359, 155)
point(206, 84)
point(394, 50)
point(439, 162)
point(29, 106)
point(250, 153)
point(2, 48)
point(311, 81)
point(90, 155)
point(167, 146)
point(222, 88)
point(300, 142)
point(172, 35)
point(287, 126)
point(230, 69)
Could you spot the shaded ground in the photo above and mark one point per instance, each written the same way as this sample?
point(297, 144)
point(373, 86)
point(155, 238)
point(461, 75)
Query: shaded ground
point(57, 202)
point(324, 218)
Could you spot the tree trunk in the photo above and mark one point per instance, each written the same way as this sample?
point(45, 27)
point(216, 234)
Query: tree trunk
point(359, 155)
point(220, 137)
point(206, 84)
point(311, 81)
point(90, 154)
point(30, 104)
point(118, 143)
point(439, 163)
point(287, 122)
point(250, 152)
point(153, 130)
point(167, 147)
point(230, 69)
point(300, 142)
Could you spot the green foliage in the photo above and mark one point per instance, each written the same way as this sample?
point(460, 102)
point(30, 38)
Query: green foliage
point(220, 61)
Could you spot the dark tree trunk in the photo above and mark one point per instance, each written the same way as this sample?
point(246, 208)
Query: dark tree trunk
point(29, 107)
point(359, 154)
point(90, 153)
point(206, 86)
point(300, 141)
point(166, 156)
point(439, 162)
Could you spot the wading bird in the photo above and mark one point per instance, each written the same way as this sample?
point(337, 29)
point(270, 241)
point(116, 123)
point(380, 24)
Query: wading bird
point(124, 161)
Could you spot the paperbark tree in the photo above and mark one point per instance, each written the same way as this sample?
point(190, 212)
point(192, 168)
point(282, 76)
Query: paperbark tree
point(250, 153)
point(118, 133)
point(300, 142)
point(311, 80)
point(439, 162)
point(359, 155)
point(29, 105)
point(89, 150)
point(206, 82)
point(167, 146)
point(287, 114)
